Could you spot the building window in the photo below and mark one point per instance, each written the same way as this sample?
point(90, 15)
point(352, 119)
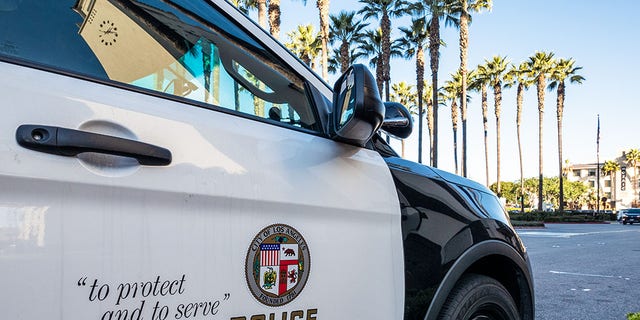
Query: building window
point(577, 173)
point(592, 172)
point(592, 184)
point(607, 183)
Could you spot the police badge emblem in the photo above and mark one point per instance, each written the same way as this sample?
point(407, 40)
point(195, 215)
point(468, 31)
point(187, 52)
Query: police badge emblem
point(277, 265)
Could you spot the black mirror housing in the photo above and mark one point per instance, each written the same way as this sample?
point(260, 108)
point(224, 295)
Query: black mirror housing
point(397, 120)
point(358, 111)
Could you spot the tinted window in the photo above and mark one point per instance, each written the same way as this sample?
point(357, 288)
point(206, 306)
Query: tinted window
point(183, 48)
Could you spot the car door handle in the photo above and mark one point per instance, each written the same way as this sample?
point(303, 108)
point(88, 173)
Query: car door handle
point(70, 142)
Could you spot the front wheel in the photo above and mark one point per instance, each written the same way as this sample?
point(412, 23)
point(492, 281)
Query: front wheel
point(478, 297)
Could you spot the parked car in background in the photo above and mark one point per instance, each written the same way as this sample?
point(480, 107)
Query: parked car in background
point(629, 216)
point(168, 159)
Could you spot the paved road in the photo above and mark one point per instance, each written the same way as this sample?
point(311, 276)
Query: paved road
point(585, 271)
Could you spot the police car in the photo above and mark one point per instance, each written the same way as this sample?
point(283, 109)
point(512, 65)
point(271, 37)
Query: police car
point(168, 159)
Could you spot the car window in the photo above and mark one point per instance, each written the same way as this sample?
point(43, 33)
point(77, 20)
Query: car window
point(182, 48)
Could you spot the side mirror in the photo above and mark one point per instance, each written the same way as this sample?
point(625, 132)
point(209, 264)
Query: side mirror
point(358, 111)
point(397, 120)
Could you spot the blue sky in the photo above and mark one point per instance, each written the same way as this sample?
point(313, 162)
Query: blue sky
point(600, 36)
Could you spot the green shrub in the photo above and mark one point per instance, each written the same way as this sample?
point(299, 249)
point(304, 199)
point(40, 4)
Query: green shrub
point(633, 316)
point(559, 217)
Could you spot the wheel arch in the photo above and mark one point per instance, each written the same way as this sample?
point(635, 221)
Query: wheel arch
point(495, 259)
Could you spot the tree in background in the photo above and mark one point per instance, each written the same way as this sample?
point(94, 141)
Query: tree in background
point(495, 69)
point(466, 7)
point(436, 11)
point(384, 10)
point(540, 66)
point(323, 10)
point(563, 69)
point(479, 81)
point(611, 167)
point(406, 95)
point(632, 157)
point(370, 46)
point(346, 30)
point(519, 76)
point(305, 44)
point(413, 42)
point(451, 91)
point(274, 18)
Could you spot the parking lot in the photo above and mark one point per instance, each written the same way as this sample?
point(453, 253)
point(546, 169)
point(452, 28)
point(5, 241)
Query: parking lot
point(585, 271)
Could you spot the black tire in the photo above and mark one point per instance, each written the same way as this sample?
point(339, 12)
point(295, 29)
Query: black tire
point(478, 297)
point(624, 223)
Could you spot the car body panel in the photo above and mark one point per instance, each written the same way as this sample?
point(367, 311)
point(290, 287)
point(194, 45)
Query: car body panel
point(76, 231)
point(447, 227)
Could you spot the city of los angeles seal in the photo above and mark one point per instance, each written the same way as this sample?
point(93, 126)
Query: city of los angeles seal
point(277, 265)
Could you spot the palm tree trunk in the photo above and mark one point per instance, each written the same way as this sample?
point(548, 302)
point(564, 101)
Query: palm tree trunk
point(560, 110)
point(385, 25)
point(262, 13)
point(485, 119)
point(519, 98)
point(434, 48)
point(379, 75)
point(430, 127)
point(420, 87)
point(402, 144)
point(344, 57)
point(323, 8)
point(464, 46)
point(497, 93)
point(541, 83)
point(454, 125)
point(274, 18)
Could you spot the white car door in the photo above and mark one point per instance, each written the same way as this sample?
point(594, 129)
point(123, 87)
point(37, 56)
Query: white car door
point(255, 214)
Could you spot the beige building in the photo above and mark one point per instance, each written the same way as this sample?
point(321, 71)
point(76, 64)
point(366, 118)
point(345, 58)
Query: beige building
point(617, 188)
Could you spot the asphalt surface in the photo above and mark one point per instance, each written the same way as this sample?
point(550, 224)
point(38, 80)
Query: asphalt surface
point(585, 271)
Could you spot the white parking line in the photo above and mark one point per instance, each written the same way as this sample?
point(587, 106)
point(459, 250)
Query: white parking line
point(588, 275)
point(567, 234)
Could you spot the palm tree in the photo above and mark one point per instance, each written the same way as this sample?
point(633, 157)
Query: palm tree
point(466, 7)
point(479, 82)
point(610, 167)
point(305, 43)
point(540, 66)
point(452, 90)
point(633, 156)
point(413, 41)
point(384, 10)
point(335, 63)
point(261, 5)
point(427, 98)
point(519, 76)
point(346, 30)
point(371, 46)
point(274, 18)
point(406, 95)
point(437, 10)
point(496, 68)
point(323, 10)
point(562, 70)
